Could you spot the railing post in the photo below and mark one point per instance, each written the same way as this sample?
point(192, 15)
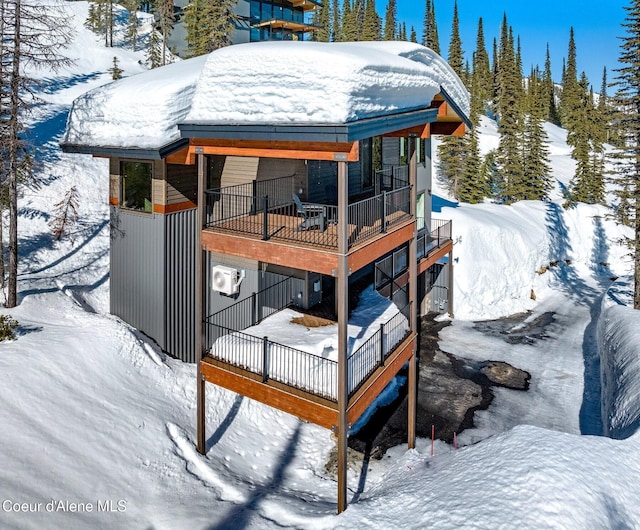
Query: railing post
point(265, 218)
point(254, 309)
point(265, 359)
point(254, 197)
point(383, 223)
point(382, 352)
point(438, 236)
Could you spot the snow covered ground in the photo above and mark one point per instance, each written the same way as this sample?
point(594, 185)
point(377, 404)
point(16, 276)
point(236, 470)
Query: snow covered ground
point(97, 426)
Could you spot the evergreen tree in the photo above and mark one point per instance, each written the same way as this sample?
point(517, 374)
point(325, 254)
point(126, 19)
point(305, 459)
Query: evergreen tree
point(132, 21)
point(349, 23)
point(481, 70)
point(154, 52)
point(372, 27)
point(336, 28)
point(209, 25)
point(115, 71)
point(65, 215)
point(455, 57)
point(391, 21)
point(322, 18)
point(166, 19)
point(628, 158)
point(101, 20)
point(510, 120)
point(549, 90)
point(571, 91)
point(537, 170)
point(430, 31)
point(414, 35)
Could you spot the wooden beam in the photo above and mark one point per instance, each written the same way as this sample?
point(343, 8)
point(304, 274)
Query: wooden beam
point(176, 207)
point(314, 260)
point(306, 409)
point(380, 379)
point(365, 254)
point(434, 256)
point(279, 149)
point(183, 157)
point(419, 131)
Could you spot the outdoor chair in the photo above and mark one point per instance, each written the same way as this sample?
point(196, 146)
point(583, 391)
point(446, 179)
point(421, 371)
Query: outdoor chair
point(313, 215)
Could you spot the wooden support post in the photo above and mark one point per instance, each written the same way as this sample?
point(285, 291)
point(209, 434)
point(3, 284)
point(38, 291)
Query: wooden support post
point(450, 289)
point(342, 301)
point(199, 313)
point(412, 395)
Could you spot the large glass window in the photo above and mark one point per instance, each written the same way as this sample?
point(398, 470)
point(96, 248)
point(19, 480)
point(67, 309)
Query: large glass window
point(135, 192)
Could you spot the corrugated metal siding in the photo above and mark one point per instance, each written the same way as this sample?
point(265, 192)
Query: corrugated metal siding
point(321, 173)
point(137, 272)
point(436, 289)
point(181, 235)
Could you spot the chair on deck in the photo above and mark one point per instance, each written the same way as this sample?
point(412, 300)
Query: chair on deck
point(313, 215)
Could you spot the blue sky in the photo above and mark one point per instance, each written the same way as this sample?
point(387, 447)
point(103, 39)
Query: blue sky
point(596, 25)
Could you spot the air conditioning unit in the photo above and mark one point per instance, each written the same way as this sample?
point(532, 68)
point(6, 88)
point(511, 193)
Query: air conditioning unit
point(225, 280)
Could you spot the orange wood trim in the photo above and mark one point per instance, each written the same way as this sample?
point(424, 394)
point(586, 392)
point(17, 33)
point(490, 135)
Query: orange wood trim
point(290, 150)
point(113, 201)
point(324, 262)
point(380, 379)
point(443, 109)
point(183, 157)
point(280, 399)
point(434, 256)
point(177, 207)
point(365, 254)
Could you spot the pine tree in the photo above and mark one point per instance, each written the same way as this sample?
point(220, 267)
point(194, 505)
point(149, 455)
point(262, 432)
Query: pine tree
point(349, 23)
point(455, 57)
point(372, 27)
point(336, 28)
point(414, 35)
point(154, 53)
point(430, 31)
point(166, 19)
point(391, 21)
point(570, 96)
point(115, 71)
point(549, 90)
point(628, 159)
point(209, 25)
point(322, 18)
point(132, 21)
point(481, 70)
point(19, 46)
point(537, 169)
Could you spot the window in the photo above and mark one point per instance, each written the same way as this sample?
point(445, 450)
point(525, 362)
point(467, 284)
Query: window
point(135, 192)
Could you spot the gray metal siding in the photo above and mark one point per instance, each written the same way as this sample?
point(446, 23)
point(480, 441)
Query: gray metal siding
point(181, 235)
point(137, 271)
point(391, 151)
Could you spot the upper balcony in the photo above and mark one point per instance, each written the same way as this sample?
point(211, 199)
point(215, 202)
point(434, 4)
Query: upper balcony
point(277, 226)
point(292, 16)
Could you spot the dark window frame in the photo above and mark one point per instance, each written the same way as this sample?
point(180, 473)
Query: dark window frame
point(145, 198)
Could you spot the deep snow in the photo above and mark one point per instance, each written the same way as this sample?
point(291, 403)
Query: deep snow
point(91, 411)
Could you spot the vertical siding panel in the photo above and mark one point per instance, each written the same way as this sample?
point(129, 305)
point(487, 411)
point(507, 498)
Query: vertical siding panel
point(137, 272)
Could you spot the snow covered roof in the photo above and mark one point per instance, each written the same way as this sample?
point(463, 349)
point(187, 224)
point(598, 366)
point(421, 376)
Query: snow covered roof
point(288, 83)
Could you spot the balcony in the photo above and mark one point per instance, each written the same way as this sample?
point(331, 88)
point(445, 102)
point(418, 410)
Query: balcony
point(267, 210)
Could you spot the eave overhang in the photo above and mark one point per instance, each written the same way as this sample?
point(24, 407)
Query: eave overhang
point(139, 153)
point(308, 132)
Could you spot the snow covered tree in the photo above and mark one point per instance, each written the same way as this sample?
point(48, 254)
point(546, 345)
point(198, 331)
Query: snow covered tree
point(65, 214)
point(31, 38)
point(101, 20)
point(154, 50)
point(430, 30)
point(628, 156)
point(166, 19)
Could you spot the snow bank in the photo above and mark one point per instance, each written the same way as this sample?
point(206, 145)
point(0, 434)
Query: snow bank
point(314, 82)
point(619, 344)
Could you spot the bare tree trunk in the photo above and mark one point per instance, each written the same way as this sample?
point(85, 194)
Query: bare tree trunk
point(13, 148)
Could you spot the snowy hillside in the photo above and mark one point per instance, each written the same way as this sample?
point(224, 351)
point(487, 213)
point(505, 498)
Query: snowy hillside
point(98, 426)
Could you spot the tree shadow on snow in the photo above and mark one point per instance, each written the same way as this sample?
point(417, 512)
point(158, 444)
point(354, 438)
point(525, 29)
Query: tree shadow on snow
point(583, 294)
point(239, 517)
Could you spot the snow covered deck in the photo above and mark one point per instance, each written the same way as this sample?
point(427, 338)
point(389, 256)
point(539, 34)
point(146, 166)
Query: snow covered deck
point(300, 362)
